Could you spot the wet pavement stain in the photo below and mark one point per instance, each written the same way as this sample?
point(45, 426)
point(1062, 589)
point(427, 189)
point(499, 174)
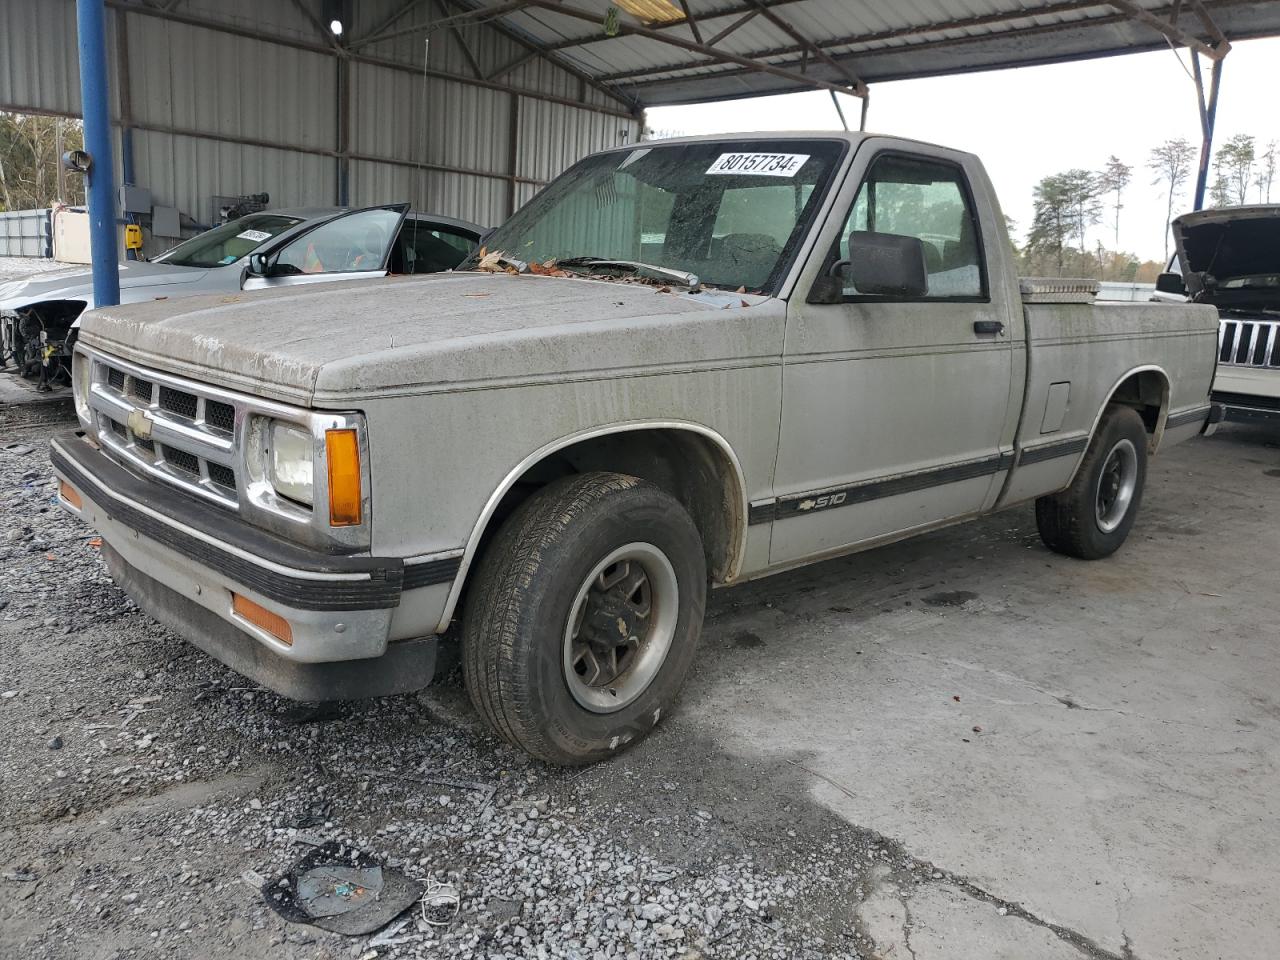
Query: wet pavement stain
point(951, 598)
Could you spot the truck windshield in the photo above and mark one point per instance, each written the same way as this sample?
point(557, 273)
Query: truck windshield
point(229, 242)
point(730, 212)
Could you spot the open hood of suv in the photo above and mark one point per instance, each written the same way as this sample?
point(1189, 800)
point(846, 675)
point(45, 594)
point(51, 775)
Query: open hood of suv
point(1231, 256)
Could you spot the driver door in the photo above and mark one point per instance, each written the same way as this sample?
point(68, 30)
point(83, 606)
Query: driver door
point(895, 408)
point(352, 246)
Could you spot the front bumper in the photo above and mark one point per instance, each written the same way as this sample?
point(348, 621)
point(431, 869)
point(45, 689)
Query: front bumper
point(182, 561)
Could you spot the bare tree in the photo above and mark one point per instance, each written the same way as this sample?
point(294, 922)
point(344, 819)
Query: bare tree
point(1171, 162)
point(1234, 165)
point(1266, 172)
point(1086, 209)
point(1113, 179)
point(29, 160)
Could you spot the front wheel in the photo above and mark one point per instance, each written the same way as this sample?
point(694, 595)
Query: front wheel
point(1093, 516)
point(581, 624)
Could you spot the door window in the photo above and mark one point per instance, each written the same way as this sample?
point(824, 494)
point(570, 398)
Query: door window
point(350, 244)
point(929, 201)
point(430, 248)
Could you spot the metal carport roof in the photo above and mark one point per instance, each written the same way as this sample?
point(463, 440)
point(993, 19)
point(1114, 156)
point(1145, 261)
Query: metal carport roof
point(652, 52)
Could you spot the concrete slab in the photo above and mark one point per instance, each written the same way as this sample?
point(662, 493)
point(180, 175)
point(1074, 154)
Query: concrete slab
point(18, 391)
point(1096, 742)
point(941, 922)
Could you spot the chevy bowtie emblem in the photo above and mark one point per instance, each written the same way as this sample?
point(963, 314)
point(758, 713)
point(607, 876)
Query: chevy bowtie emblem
point(140, 424)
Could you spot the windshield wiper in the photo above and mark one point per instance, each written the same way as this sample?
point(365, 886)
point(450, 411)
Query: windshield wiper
point(690, 280)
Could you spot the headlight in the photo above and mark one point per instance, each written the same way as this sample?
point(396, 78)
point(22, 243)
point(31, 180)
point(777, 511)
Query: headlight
point(83, 367)
point(292, 461)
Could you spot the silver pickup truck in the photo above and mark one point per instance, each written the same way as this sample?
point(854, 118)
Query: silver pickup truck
point(684, 363)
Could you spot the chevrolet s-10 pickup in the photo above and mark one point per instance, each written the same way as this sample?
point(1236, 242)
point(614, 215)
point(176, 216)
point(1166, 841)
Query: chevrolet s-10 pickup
point(684, 364)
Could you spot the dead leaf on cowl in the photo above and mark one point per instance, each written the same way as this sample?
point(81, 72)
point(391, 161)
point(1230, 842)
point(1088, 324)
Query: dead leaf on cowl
point(547, 269)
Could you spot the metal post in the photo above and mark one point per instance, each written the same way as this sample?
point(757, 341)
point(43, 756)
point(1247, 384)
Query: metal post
point(94, 98)
point(343, 65)
point(126, 113)
point(1208, 116)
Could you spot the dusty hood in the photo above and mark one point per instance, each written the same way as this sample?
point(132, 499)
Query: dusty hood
point(340, 342)
point(77, 283)
point(1219, 249)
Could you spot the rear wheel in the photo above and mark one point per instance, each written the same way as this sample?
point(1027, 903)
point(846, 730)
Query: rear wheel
point(582, 621)
point(1092, 517)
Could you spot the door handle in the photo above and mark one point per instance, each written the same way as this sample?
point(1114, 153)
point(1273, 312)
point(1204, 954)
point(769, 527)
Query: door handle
point(994, 327)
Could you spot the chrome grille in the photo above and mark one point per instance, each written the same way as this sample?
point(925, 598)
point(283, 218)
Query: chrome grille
point(181, 402)
point(175, 442)
point(213, 443)
point(1249, 343)
point(141, 389)
point(220, 416)
point(222, 476)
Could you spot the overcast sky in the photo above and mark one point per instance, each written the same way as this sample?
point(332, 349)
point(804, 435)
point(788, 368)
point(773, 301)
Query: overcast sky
point(1031, 122)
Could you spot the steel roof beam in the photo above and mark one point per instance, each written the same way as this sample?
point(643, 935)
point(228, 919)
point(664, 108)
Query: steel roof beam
point(743, 11)
point(808, 45)
point(693, 24)
point(561, 64)
point(490, 15)
point(297, 43)
point(496, 10)
point(387, 22)
point(721, 56)
point(745, 18)
point(903, 33)
point(1218, 36)
point(515, 64)
point(1172, 30)
point(324, 32)
point(446, 7)
point(639, 77)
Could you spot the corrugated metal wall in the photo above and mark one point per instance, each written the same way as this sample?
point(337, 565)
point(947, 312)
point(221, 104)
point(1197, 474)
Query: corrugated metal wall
point(231, 97)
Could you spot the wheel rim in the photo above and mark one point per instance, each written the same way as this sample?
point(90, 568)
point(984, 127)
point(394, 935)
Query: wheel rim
point(1116, 485)
point(620, 628)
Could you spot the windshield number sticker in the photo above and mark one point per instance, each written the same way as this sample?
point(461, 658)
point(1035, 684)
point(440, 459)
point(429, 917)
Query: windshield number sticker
point(759, 164)
point(257, 236)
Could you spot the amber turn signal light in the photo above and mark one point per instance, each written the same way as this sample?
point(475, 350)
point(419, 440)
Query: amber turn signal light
point(68, 493)
point(342, 451)
point(273, 623)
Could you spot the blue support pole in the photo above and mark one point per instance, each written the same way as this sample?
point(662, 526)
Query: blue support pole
point(94, 99)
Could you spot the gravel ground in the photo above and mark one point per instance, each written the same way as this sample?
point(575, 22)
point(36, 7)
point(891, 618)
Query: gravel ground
point(143, 779)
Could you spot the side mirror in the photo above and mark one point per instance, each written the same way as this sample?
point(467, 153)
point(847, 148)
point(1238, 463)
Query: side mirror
point(1171, 283)
point(259, 265)
point(887, 265)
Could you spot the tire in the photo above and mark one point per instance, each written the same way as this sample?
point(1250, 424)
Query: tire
point(1093, 516)
point(563, 693)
